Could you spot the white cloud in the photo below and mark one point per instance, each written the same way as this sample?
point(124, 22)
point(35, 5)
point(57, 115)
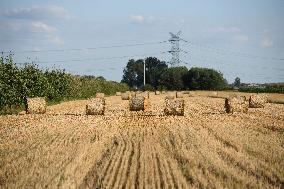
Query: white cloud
point(226, 30)
point(37, 26)
point(137, 18)
point(55, 39)
point(241, 38)
point(39, 12)
point(141, 19)
point(144, 19)
point(266, 43)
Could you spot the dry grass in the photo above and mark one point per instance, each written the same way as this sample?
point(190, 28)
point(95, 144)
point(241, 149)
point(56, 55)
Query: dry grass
point(206, 148)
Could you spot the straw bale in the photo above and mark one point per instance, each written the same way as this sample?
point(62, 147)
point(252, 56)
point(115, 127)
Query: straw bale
point(95, 106)
point(36, 105)
point(236, 104)
point(157, 92)
point(170, 97)
point(100, 95)
point(213, 94)
point(139, 103)
point(257, 100)
point(174, 107)
point(125, 96)
point(132, 94)
point(179, 95)
point(191, 94)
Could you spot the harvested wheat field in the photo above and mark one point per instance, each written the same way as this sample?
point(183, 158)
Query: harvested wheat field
point(205, 148)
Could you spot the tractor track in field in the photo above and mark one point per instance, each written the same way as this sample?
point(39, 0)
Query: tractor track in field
point(135, 160)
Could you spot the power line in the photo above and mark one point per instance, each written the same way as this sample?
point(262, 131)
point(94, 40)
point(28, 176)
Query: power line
point(89, 48)
point(93, 59)
point(230, 52)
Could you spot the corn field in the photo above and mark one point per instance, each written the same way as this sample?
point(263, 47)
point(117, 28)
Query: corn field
point(205, 148)
point(17, 83)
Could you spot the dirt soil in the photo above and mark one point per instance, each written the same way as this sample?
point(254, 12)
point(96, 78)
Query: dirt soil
point(206, 148)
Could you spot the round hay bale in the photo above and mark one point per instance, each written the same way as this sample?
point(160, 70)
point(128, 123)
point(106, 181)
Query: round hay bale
point(179, 95)
point(157, 92)
point(100, 95)
point(118, 93)
point(213, 94)
point(174, 107)
point(170, 97)
point(163, 92)
point(257, 100)
point(132, 94)
point(96, 106)
point(125, 96)
point(139, 103)
point(275, 100)
point(191, 94)
point(236, 104)
point(36, 105)
point(146, 94)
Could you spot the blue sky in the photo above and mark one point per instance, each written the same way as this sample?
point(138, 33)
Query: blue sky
point(239, 38)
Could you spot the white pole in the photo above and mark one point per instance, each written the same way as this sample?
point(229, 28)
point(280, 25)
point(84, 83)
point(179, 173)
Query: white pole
point(144, 73)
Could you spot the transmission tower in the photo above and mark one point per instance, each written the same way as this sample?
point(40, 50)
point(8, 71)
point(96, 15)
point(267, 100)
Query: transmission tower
point(174, 40)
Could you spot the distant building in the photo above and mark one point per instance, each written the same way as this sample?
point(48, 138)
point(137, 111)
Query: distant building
point(252, 85)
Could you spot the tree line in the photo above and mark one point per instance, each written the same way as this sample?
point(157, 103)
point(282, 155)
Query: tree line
point(161, 77)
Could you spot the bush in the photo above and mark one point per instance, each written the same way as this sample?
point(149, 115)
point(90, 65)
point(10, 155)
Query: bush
point(172, 78)
point(267, 89)
point(148, 87)
point(204, 79)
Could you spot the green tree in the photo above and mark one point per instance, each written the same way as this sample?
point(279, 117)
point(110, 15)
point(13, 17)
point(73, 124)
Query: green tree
point(237, 82)
point(172, 78)
point(133, 73)
point(154, 70)
point(204, 79)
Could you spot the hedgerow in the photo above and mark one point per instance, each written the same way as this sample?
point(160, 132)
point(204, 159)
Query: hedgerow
point(19, 83)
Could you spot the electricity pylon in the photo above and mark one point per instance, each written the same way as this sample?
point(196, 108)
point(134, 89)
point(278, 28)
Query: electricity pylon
point(174, 40)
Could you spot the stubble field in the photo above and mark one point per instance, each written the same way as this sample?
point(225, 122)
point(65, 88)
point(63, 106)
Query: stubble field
point(206, 148)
